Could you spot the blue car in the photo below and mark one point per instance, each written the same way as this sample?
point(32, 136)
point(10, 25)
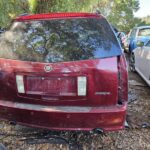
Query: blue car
point(138, 34)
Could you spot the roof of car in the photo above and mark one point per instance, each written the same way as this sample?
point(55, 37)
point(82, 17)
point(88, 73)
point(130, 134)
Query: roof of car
point(143, 27)
point(57, 15)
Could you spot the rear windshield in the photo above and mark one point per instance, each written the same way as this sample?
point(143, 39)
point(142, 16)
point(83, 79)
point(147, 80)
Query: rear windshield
point(59, 40)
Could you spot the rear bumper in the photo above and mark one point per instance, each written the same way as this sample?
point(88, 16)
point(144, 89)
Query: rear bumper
point(65, 118)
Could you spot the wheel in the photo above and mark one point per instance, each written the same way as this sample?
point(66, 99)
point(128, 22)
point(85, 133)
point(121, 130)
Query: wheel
point(132, 62)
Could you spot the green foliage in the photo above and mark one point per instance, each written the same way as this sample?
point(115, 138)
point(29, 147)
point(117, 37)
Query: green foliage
point(118, 12)
point(32, 5)
point(45, 6)
point(122, 14)
point(10, 9)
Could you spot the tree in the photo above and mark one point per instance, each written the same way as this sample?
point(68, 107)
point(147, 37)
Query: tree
point(122, 14)
point(10, 9)
point(44, 6)
point(118, 12)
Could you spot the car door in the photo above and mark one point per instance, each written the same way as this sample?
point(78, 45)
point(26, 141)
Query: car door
point(138, 53)
point(145, 62)
point(132, 39)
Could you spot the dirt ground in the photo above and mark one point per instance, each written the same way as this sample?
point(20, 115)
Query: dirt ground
point(135, 137)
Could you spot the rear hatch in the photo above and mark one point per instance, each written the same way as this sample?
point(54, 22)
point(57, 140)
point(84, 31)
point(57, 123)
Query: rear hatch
point(60, 62)
point(87, 82)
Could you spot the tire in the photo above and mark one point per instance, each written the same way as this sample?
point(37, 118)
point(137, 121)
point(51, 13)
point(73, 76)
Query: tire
point(132, 62)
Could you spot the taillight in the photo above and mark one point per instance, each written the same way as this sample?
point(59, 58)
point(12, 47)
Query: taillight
point(20, 83)
point(122, 80)
point(82, 84)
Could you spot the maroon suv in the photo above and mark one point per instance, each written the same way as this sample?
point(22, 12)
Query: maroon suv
point(63, 71)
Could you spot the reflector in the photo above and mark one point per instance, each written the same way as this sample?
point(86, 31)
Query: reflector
point(20, 83)
point(82, 81)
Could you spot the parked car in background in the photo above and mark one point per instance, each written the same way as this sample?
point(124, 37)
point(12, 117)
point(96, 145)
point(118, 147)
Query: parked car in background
point(137, 34)
point(63, 71)
point(140, 61)
point(120, 36)
point(123, 39)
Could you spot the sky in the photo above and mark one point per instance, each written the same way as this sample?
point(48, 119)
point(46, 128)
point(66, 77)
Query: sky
point(144, 9)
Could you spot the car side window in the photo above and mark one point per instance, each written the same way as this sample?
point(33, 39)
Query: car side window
point(133, 33)
point(148, 44)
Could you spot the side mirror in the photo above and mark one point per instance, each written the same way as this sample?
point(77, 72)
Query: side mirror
point(140, 44)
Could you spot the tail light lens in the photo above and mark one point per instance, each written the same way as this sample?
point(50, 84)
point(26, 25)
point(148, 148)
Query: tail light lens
point(20, 83)
point(82, 83)
point(122, 80)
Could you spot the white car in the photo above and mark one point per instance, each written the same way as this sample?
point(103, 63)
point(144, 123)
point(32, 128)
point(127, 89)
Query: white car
point(140, 61)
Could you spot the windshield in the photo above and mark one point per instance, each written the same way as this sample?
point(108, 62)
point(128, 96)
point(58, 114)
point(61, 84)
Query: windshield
point(59, 40)
point(144, 32)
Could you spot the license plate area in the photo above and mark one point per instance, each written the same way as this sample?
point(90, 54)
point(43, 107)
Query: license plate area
point(51, 86)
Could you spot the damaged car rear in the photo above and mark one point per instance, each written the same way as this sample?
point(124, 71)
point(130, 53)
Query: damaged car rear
point(63, 71)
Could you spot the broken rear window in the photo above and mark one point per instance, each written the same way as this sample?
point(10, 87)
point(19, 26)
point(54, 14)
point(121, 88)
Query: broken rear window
point(58, 40)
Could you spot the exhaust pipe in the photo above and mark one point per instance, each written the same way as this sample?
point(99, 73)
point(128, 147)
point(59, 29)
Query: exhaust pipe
point(13, 123)
point(98, 131)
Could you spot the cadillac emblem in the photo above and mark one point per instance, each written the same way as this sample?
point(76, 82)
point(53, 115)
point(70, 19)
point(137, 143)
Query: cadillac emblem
point(48, 68)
